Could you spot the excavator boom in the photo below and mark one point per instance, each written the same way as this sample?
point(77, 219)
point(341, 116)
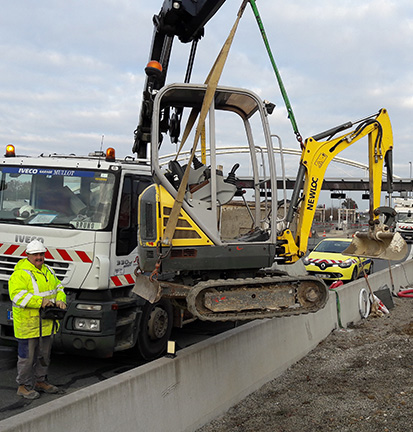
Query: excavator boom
point(184, 19)
point(379, 242)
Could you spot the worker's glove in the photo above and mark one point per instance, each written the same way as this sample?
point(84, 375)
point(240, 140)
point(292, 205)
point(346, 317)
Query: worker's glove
point(61, 305)
point(46, 303)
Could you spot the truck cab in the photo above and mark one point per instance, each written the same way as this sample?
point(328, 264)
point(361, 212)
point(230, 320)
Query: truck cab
point(404, 217)
point(84, 209)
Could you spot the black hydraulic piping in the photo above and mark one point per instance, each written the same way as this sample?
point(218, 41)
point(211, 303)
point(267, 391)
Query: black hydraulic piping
point(296, 194)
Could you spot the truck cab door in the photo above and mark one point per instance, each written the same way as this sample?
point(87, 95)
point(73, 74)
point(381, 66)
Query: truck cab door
point(127, 223)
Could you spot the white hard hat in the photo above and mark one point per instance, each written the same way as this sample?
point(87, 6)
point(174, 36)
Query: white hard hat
point(35, 246)
point(25, 212)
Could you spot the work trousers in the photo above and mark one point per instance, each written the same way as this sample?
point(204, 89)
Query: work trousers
point(33, 360)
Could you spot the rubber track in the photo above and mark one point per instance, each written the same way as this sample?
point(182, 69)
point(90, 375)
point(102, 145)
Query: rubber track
point(250, 315)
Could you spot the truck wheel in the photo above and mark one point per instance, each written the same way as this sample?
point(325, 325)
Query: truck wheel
point(155, 329)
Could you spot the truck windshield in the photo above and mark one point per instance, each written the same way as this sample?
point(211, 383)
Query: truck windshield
point(56, 197)
point(405, 217)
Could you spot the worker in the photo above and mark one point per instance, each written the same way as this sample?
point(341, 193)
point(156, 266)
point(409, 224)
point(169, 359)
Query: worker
point(33, 286)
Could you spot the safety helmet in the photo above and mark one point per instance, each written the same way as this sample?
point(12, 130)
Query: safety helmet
point(35, 246)
point(25, 212)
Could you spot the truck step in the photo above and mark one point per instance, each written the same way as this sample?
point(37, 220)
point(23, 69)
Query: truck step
point(130, 319)
point(125, 302)
point(123, 345)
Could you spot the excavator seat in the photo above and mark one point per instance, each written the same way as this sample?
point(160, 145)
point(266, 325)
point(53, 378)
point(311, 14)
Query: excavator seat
point(255, 235)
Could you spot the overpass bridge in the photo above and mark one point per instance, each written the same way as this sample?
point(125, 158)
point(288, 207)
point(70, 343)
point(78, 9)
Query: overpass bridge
point(343, 183)
point(340, 184)
point(350, 183)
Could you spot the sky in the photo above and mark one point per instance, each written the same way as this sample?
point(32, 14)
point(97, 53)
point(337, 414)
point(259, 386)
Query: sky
point(73, 71)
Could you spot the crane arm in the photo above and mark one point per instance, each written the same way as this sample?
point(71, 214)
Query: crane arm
point(184, 19)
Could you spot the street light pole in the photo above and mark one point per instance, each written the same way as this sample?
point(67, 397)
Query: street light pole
point(410, 193)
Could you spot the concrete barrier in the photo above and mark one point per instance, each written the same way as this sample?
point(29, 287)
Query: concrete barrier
point(204, 380)
point(348, 296)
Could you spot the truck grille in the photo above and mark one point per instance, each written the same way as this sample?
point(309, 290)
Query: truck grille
point(7, 264)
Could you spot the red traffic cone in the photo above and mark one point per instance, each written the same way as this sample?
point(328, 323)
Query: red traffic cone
point(324, 233)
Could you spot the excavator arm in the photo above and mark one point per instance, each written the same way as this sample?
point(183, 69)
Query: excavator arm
point(315, 158)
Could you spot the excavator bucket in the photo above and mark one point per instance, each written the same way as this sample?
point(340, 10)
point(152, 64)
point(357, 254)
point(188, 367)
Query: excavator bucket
point(379, 244)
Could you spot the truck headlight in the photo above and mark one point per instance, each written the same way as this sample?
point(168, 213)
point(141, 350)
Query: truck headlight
point(90, 307)
point(306, 261)
point(87, 324)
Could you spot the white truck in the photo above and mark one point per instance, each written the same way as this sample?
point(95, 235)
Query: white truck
point(404, 217)
point(84, 209)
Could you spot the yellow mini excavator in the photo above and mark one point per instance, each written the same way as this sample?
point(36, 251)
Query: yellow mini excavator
point(209, 244)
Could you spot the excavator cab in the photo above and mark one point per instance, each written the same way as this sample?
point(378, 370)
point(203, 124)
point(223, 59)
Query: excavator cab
point(216, 210)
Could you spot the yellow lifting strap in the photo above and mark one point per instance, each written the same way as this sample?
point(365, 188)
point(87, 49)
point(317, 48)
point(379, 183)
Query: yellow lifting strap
point(188, 127)
point(203, 145)
point(212, 83)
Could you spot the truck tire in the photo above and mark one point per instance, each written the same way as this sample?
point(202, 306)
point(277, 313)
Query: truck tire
point(155, 329)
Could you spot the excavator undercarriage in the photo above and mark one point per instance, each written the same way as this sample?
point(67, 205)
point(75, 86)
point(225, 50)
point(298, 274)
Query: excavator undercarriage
point(264, 294)
point(258, 297)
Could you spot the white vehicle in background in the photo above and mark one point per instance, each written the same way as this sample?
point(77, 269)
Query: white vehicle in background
point(404, 217)
point(84, 209)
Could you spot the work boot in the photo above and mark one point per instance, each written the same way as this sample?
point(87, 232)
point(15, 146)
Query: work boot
point(45, 387)
point(27, 392)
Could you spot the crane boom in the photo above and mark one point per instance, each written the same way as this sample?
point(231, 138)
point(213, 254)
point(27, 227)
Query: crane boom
point(184, 19)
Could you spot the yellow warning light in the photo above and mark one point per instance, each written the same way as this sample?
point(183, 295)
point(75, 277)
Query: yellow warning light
point(110, 154)
point(153, 69)
point(153, 64)
point(10, 151)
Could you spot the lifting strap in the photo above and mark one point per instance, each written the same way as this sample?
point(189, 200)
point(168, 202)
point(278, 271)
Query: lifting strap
point(277, 74)
point(212, 83)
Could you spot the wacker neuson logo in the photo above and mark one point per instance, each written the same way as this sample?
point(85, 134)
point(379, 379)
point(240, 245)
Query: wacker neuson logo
point(312, 194)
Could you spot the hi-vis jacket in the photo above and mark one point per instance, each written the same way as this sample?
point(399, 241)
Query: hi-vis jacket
point(28, 286)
